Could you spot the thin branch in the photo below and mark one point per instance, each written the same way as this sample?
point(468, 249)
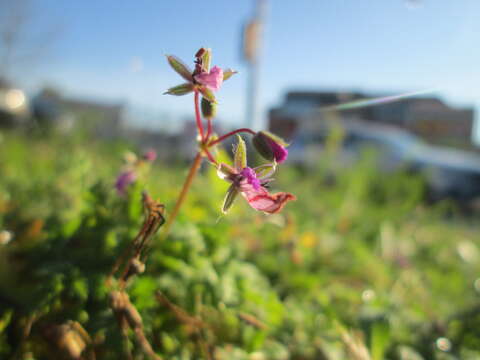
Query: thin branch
point(231, 133)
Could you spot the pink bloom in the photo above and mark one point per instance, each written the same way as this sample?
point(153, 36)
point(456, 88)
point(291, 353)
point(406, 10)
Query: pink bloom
point(150, 155)
point(212, 80)
point(260, 199)
point(124, 180)
point(253, 189)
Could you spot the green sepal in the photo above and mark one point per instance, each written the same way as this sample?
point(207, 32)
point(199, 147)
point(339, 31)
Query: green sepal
point(228, 73)
point(181, 69)
point(225, 172)
point(275, 138)
point(208, 94)
point(266, 170)
point(240, 154)
point(260, 143)
point(206, 60)
point(180, 90)
point(230, 197)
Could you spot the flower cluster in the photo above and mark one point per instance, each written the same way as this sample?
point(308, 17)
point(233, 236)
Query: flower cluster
point(251, 183)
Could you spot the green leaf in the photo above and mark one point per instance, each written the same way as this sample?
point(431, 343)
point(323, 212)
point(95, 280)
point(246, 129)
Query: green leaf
point(180, 90)
point(380, 338)
point(240, 154)
point(228, 73)
point(230, 197)
point(181, 69)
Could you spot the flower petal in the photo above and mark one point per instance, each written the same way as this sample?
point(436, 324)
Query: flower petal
point(212, 80)
point(262, 200)
point(123, 180)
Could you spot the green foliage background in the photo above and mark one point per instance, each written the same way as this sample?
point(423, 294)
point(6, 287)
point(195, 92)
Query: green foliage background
point(358, 251)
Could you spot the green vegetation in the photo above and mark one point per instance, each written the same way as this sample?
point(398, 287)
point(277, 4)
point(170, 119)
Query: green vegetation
point(358, 263)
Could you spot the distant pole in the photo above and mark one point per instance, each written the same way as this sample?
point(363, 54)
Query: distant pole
point(252, 39)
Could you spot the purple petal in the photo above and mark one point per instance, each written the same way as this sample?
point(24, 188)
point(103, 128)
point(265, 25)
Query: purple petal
point(123, 180)
point(251, 177)
point(280, 153)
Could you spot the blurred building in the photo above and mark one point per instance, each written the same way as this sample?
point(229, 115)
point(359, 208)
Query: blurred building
point(53, 110)
point(429, 118)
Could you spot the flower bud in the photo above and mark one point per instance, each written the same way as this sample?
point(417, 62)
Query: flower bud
point(209, 109)
point(270, 146)
point(150, 155)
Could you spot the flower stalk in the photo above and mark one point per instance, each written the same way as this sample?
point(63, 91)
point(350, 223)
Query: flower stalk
point(231, 133)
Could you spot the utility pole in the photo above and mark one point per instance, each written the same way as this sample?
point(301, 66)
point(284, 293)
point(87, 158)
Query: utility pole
point(252, 43)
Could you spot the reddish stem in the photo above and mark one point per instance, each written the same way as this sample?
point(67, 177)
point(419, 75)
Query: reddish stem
point(231, 133)
point(197, 117)
point(209, 129)
point(210, 156)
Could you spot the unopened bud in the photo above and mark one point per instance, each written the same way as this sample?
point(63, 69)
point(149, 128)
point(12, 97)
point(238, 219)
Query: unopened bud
point(209, 109)
point(150, 155)
point(270, 147)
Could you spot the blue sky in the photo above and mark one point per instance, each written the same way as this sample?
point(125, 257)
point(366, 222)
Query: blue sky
point(115, 49)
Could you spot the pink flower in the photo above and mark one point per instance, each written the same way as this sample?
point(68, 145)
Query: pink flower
point(150, 155)
point(253, 188)
point(212, 80)
point(124, 180)
point(251, 183)
point(261, 200)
